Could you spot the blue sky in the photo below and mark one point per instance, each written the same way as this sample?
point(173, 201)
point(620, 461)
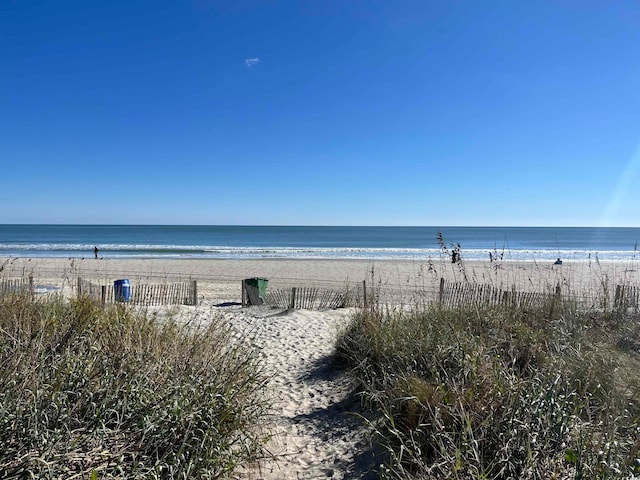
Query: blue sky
point(320, 113)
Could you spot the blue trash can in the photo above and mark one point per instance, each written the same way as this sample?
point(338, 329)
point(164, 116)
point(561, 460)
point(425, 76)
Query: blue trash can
point(122, 290)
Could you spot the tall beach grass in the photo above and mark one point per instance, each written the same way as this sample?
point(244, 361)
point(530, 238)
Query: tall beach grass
point(109, 392)
point(500, 393)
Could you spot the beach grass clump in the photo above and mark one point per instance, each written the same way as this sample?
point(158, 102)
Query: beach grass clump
point(499, 393)
point(88, 391)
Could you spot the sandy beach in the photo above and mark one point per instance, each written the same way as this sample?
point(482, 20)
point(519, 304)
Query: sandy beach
point(396, 280)
point(316, 434)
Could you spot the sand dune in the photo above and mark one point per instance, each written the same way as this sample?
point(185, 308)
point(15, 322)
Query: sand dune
point(316, 434)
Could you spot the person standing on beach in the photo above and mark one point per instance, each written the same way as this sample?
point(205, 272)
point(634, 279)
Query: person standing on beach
point(95, 252)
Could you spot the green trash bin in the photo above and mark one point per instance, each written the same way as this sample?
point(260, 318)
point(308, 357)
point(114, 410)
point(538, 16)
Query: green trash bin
point(255, 287)
point(260, 283)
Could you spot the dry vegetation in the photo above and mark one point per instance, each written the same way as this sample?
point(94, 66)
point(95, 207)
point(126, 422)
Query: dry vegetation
point(500, 393)
point(453, 392)
point(93, 392)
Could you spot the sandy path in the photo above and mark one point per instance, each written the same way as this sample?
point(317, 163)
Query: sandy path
point(316, 434)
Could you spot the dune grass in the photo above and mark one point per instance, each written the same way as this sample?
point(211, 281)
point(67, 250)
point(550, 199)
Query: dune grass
point(93, 392)
point(499, 393)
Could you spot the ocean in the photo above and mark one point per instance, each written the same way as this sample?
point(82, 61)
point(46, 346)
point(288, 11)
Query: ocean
point(322, 242)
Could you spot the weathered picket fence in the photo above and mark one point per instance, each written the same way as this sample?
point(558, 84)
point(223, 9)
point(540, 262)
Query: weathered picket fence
point(17, 286)
point(181, 293)
point(309, 298)
point(464, 294)
point(627, 297)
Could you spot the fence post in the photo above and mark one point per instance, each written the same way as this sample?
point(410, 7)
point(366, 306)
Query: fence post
point(364, 293)
point(103, 294)
point(441, 291)
point(618, 298)
point(557, 298)
point(244, 304)
point(293, 298)
point(195, 292)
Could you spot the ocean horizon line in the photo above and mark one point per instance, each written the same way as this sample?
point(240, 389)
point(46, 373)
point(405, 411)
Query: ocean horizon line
point(286, 225)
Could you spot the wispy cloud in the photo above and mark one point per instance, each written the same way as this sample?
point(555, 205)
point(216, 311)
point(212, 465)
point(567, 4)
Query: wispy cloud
point(251, 62)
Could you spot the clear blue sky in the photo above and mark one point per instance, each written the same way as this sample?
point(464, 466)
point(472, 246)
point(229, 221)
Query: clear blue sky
point(320, 112)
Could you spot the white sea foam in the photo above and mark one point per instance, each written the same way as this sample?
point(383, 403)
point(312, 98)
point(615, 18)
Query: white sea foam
point(248, 252)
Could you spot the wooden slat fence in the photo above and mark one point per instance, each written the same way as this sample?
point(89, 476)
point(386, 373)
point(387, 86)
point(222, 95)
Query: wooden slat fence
point(463, 294)
point(182, 293)
point(279, 297)
point(626, 297)
point(17, 286)
point(309, 298)
point(93, 291)
point(528, 299)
